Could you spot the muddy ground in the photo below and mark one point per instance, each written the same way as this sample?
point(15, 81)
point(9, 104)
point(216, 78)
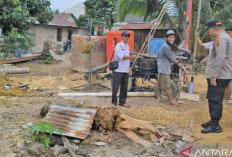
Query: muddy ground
point(45, 81)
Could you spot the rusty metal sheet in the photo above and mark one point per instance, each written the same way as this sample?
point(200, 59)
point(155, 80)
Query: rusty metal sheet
point(73, 121)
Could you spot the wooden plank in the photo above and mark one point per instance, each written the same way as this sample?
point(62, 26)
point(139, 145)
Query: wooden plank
point(17, 60)
point(193, 97)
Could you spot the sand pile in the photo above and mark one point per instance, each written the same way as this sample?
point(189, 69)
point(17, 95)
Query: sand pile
point(191, 119)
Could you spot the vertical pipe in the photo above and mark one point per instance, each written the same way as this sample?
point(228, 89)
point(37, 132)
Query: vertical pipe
point(190, 5)
point(197, 27)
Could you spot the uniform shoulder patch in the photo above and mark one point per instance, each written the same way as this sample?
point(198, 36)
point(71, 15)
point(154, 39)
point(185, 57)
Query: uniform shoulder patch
point(217, 41)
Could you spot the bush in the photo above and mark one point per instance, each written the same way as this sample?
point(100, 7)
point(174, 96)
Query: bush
point(39, 132)
point(15, 39)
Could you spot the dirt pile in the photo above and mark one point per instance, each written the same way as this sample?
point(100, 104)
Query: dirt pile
point(13, 91)
point(105, 119)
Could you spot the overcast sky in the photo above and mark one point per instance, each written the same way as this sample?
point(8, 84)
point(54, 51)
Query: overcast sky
point(63, 5)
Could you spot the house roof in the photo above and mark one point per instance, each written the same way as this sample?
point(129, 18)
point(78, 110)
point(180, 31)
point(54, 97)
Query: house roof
point(137, 26)
point(59, 20)
point(64, 15)
point(77, 10)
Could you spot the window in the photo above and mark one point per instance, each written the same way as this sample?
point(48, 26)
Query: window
point(59, 34)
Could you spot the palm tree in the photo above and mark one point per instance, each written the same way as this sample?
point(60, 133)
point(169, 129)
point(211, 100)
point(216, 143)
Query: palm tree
point(149, 10)
point(142, 8)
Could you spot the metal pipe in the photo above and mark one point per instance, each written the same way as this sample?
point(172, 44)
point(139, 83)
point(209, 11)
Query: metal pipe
point(99, 68)
point(190, 4)
point(185, 50)
point(197, 27)
point(130, 94)
point(15, 70)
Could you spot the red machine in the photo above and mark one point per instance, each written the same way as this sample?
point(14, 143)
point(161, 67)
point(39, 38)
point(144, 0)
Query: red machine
point(115, 36)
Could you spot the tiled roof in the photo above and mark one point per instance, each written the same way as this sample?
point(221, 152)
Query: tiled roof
point(59, 20)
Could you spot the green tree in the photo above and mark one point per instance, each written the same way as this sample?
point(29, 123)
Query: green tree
point(15, 39)
point(101, 11)
point(82, 21)
point(19, 13)
point(56, 11)
point(149, 10)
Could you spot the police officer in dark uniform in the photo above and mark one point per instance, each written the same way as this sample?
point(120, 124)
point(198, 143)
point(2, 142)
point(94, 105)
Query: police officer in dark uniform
point(218, 74)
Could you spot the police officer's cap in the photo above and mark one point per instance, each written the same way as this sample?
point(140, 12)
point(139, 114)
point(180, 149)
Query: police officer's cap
point(125, 34)
point(213, 23)
point(229, 29)
point(170, 32)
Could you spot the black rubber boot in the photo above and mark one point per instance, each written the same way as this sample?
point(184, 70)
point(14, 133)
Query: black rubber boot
point(211, 129)
point(205, 125)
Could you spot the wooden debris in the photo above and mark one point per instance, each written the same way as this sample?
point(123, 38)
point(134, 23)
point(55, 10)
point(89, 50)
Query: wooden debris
point(68, 146)
point(188, 138)
point(134, 137)
point(127, 122)
point(137, 130)
point(153, 138)
point(162, 141)
point(106, 138)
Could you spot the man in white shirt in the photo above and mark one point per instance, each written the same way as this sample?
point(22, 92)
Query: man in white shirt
point(208, 45)
point(121, 74)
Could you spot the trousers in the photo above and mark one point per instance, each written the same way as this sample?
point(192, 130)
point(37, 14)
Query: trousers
point(119, 80)
point(215, 96)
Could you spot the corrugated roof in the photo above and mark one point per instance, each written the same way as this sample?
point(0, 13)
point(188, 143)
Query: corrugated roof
point(134, 26)
point(73, 122)
point(64, 15)
point(137, 26)
point(59, 21)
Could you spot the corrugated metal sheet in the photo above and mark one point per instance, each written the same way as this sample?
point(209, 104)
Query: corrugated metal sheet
point(73, 122)
point(137, 26)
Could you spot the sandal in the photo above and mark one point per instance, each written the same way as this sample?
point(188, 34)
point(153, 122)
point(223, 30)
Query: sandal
point(124, 105)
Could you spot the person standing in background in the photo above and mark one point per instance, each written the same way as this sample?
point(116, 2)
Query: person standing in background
point(208, 46)
point(166, 57)
point(121, 74)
